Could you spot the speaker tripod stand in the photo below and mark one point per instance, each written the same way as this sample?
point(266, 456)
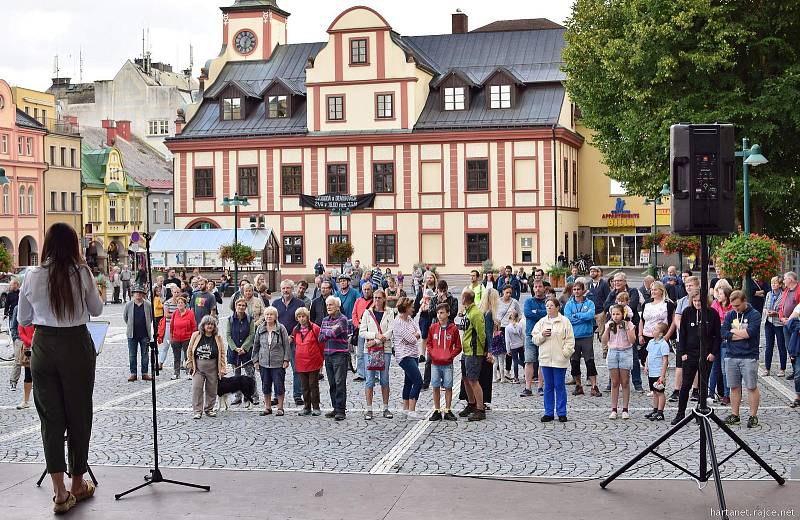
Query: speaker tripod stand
point(703, 415)
point(155, 475)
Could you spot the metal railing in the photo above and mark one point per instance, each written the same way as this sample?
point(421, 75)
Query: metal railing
point(60, 126)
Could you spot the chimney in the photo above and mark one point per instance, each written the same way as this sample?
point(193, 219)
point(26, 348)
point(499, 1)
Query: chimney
point(124, 129)
point(460, 22)
point(180, 121)
point(111, 131)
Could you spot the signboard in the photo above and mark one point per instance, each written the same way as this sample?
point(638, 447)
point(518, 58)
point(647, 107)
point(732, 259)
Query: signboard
point(194, 259)
point(620, 217)
point(212, 259)
point(337, 201)
point(176, 259)
point(644, 256)
point(158, 260)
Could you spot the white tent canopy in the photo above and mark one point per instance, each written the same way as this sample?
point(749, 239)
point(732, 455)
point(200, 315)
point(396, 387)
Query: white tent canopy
point(200, 247)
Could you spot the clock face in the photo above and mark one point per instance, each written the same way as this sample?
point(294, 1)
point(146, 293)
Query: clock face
point(245, 42)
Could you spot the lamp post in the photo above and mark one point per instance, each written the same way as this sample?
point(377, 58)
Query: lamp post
point(656, 201)
point(235, 201)
point(751, 156)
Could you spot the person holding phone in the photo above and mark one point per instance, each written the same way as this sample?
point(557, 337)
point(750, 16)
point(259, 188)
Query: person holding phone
point(57, 298)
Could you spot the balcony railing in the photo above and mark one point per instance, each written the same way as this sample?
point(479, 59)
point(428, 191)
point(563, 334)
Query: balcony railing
point(60, 126)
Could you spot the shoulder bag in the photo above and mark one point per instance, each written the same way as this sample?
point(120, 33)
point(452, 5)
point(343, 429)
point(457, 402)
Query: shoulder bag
point(375, 358)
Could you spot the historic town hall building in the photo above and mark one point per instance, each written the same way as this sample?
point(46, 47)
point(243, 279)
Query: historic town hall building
point(467, 140)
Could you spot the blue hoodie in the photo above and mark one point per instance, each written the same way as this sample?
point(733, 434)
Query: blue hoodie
point(581, 315)
point(534, 311)
point(744, 348)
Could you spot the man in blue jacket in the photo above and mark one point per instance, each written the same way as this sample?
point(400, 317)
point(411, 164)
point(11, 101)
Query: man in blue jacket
point(741, 329)
point(534, 311)
point(347, 295)
point(579, 310)
point(509, 278)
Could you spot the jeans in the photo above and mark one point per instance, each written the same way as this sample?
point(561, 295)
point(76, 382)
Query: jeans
point(336, 369)
point(361, 368)
point(718, 380)
point(796, 368)
point(413, 380)
point(636, 373)
point(555, 391)
point(771, 334)
point(381, 375)
point(518, 358)
point(140, 345)
point(297, 389)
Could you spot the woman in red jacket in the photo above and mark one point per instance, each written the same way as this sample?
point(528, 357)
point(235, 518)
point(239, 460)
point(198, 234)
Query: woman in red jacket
point(182, 325)
point(26, 337)
point(308, 359)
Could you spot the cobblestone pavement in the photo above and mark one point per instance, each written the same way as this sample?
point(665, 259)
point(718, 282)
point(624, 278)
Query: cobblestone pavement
point(511, 442)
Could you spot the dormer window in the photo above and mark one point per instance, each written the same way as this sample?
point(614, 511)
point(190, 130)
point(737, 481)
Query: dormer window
point(500, 96)
point(231, 108)
point(454, 98)
point(277, 106)
point(358, 51)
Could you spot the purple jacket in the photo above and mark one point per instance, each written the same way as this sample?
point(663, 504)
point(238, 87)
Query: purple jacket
point(333, 333)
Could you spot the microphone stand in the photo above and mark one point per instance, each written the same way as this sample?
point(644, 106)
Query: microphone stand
point(703, 414)
point(155, 475)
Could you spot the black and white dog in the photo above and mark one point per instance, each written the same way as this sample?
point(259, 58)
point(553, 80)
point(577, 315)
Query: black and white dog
point(229, 385)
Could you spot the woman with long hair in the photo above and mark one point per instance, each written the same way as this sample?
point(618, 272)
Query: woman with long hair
point(57, 298)
point(718, 380)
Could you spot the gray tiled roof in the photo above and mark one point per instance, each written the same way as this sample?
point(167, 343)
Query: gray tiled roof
point(532, 57)
point(25, 120)
point(141, 161)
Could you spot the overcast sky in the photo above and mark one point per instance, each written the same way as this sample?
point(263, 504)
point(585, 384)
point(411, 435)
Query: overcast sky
point(109, 32)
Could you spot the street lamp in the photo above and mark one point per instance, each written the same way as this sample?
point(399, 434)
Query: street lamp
point(235, 201)
point(656, 201)
point(751, 156)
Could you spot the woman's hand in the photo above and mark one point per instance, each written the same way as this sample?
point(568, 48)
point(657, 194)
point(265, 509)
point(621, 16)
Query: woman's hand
point(710, 358)
point(222, 374)
point(489, 357)
point(684, 357)
point(255, 365)
point(641, 340)
point(285, 365)
point(191, 371)
point(240, 351)
point(416, 335)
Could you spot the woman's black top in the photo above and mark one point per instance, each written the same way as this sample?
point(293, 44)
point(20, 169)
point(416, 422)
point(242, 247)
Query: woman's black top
point(689, 333)
point(207, 348)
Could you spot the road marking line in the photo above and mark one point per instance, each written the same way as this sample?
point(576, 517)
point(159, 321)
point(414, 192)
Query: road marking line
point(104, 406)
point(779, 387)
point(386, 463)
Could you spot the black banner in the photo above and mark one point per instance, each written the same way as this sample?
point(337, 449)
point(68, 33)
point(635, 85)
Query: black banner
point(337, 201)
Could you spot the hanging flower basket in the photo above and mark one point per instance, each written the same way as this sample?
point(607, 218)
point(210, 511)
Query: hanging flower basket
point(239, 253)
point(676, 244)
point(652, 239)
point(757, 254)
point(341, 251)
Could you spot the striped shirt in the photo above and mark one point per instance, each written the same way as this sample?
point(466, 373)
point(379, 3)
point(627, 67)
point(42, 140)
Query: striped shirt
point(333, 333)
point(404, 339)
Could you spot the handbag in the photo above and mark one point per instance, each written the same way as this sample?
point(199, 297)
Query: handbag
point(375, 357)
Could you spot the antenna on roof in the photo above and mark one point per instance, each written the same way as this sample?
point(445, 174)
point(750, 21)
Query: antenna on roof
point(55, 66)
point(191, 56)
point(80, 61)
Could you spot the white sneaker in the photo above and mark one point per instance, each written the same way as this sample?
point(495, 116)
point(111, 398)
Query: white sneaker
point(626, 415)
point(612, 415)
point(198, 415)
point(23, 405)
point(413, 415)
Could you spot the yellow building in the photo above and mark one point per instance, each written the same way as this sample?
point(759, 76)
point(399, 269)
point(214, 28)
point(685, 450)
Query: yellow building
point(612, 223)
point(113, 202)
point(466, 140)
point(62, 153)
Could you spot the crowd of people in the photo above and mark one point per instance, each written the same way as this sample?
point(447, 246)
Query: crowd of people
point(423, 326)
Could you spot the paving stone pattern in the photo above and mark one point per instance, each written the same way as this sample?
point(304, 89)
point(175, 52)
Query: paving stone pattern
point(512, 442)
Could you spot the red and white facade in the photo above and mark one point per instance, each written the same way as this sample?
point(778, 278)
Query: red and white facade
point(518, 214)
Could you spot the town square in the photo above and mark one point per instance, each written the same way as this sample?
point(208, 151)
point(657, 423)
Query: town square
point(306, 259)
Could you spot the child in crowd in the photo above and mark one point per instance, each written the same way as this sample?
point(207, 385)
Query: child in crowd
point(656, 370)
point(624, 299)
point(515, 343)
point(444, 344)
point(618, 339)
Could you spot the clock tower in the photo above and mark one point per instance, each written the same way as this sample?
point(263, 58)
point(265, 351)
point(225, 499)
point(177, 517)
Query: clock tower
point(250, 31)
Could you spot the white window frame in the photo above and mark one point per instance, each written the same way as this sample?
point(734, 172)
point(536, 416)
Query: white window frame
point(454, 98)
point(31, 198)
point(500, 96)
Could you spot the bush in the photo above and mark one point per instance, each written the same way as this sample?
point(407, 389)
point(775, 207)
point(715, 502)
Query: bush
point(6, 262)
point(755, 254)
point(676, 244)
point(239, 253)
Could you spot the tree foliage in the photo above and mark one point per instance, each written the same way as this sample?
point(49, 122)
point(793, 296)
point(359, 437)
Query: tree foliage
point(6, 262)
point(635, 67)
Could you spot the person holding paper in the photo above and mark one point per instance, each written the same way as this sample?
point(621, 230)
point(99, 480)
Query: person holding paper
point(57, 298)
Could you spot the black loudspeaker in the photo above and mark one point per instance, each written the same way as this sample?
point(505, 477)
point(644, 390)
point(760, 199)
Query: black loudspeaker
point(702, 173)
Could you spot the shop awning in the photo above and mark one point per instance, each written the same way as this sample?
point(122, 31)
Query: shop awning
point(207, 240)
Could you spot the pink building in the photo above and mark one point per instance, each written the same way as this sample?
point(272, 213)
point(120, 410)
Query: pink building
point(22, 158)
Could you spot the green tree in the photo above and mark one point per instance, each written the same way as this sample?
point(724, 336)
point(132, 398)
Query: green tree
point(6, 262)
point(635, 67)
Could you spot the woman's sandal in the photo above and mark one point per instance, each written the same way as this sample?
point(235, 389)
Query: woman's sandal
point(62, 507)
point(279, 413)
point(88, 492)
